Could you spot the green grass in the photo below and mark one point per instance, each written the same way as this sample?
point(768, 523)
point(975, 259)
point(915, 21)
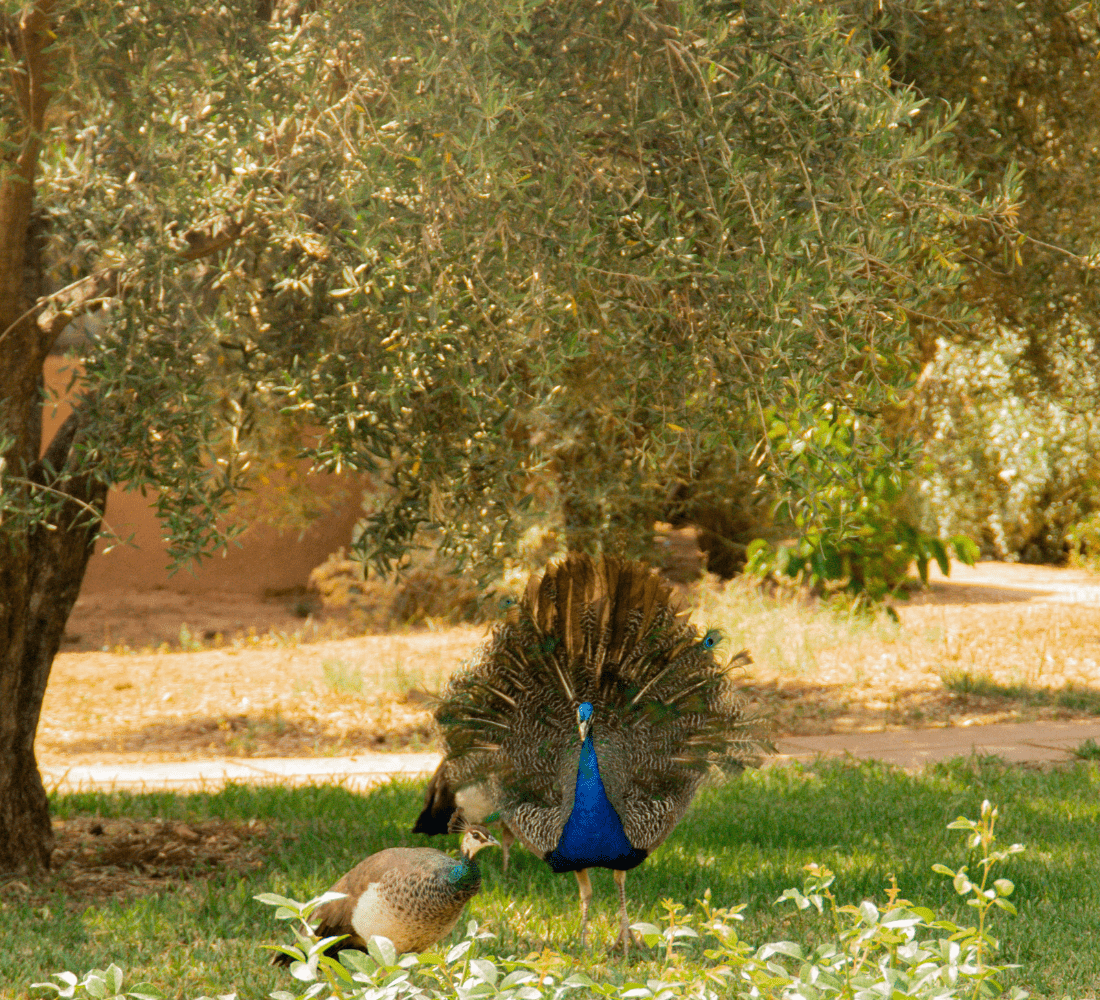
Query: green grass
point(746, 842)
point(1071, 696)
point(342, 677)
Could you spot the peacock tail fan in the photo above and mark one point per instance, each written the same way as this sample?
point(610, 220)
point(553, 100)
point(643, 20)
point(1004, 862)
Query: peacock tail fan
point(607, 632)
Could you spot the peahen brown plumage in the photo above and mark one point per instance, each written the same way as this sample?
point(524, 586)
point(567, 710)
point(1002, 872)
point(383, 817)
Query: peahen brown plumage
point(591, 716)
point(411, 895)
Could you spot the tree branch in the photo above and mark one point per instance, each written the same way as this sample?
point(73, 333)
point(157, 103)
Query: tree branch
point(62, 307)
point(58, 309)
point(32, 85)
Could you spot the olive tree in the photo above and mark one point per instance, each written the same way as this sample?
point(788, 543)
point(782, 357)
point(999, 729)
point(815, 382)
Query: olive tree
point(592, 262)
point(1007, 402)
point(632, 257)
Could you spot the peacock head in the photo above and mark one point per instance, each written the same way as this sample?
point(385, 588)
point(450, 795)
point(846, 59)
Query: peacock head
point(584, 719)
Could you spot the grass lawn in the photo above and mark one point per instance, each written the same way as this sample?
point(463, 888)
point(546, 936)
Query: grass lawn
point(746, 842)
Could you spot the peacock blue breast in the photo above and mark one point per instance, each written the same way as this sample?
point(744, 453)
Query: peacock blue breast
point(593, 836)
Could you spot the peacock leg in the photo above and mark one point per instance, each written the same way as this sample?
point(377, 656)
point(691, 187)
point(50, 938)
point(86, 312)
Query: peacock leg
point(626, 935)
point(507, 838)
point(584, 883)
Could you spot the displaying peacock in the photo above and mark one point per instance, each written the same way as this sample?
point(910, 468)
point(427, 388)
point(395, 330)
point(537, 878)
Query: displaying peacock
point(591, 716)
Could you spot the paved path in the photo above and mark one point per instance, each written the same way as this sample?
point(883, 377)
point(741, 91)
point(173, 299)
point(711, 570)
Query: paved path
point(1016, 742)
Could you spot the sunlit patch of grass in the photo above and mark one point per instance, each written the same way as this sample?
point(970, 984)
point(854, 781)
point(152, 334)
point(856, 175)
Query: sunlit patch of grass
point(398, 677)
point(342, 677)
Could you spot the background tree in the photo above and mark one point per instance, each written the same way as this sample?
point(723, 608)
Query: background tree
point(634, 242)
point(588, 262)
point(1007, 403)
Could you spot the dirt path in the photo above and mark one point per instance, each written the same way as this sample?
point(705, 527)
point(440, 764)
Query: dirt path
point(1025, 630)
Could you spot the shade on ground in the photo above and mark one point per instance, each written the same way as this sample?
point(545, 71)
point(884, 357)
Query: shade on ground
point(1014, 742)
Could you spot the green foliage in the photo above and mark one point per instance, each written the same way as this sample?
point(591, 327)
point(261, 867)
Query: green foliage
point(1006, 401)
point(527, 261)
point(848, 508)
point(99, 984)
point(1013, 455)
point(632, 234)
point(1083, 540)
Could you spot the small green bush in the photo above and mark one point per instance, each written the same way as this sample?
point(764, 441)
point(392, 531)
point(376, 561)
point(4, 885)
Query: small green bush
point(852, 521)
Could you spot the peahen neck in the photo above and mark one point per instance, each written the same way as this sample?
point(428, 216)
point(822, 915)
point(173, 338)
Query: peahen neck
point(593, 835)
point(465, 872)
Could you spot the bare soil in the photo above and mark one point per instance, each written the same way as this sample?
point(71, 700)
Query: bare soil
point(97, 859)
point(267, 690)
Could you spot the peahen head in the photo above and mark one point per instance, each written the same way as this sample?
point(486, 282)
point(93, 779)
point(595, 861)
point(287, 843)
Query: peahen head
point(584, 719)
point(475, 838)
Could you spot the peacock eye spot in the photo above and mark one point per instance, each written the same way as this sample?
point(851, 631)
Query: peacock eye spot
point(711, 639)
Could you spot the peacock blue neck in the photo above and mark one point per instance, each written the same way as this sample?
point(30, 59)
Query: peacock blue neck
point(593, 836)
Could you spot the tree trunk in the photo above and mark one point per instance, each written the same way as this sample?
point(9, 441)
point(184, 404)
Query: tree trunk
point(49, 512)
point(50, 557)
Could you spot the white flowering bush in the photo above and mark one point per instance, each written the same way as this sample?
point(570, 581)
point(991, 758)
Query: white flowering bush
point(1012, 463)
point(899, 950)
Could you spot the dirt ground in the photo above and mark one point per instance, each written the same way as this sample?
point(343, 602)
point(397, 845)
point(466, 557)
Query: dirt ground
point(95, 860)
point(277, 684)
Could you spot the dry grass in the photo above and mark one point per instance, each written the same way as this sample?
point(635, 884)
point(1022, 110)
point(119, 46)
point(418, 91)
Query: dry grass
point(264, 700)
point(818, 669)
point(1004, 637)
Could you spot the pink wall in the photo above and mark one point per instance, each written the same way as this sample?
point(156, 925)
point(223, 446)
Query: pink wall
point(266, 559)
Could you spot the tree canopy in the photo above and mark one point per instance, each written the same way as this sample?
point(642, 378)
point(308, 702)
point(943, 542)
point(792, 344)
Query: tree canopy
point(577, 259)
point(586, 264)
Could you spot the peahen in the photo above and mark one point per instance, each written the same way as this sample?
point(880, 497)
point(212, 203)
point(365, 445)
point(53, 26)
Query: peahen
point(591, 716)
point(411, 895)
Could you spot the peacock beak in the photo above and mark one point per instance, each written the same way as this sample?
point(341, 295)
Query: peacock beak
point(584, 719)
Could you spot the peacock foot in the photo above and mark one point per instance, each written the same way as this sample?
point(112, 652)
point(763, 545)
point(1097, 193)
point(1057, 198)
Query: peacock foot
point(626, 938)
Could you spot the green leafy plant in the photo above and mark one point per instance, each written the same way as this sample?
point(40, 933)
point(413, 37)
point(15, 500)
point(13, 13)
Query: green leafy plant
point(848, 500)
point(985, 894)
point(99, 984)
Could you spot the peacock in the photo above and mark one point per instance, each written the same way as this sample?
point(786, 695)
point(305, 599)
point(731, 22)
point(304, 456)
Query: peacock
point(591, 716)
point(411, 895)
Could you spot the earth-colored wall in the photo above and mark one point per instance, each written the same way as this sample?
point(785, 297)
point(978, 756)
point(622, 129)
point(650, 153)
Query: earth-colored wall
point(266, 559)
